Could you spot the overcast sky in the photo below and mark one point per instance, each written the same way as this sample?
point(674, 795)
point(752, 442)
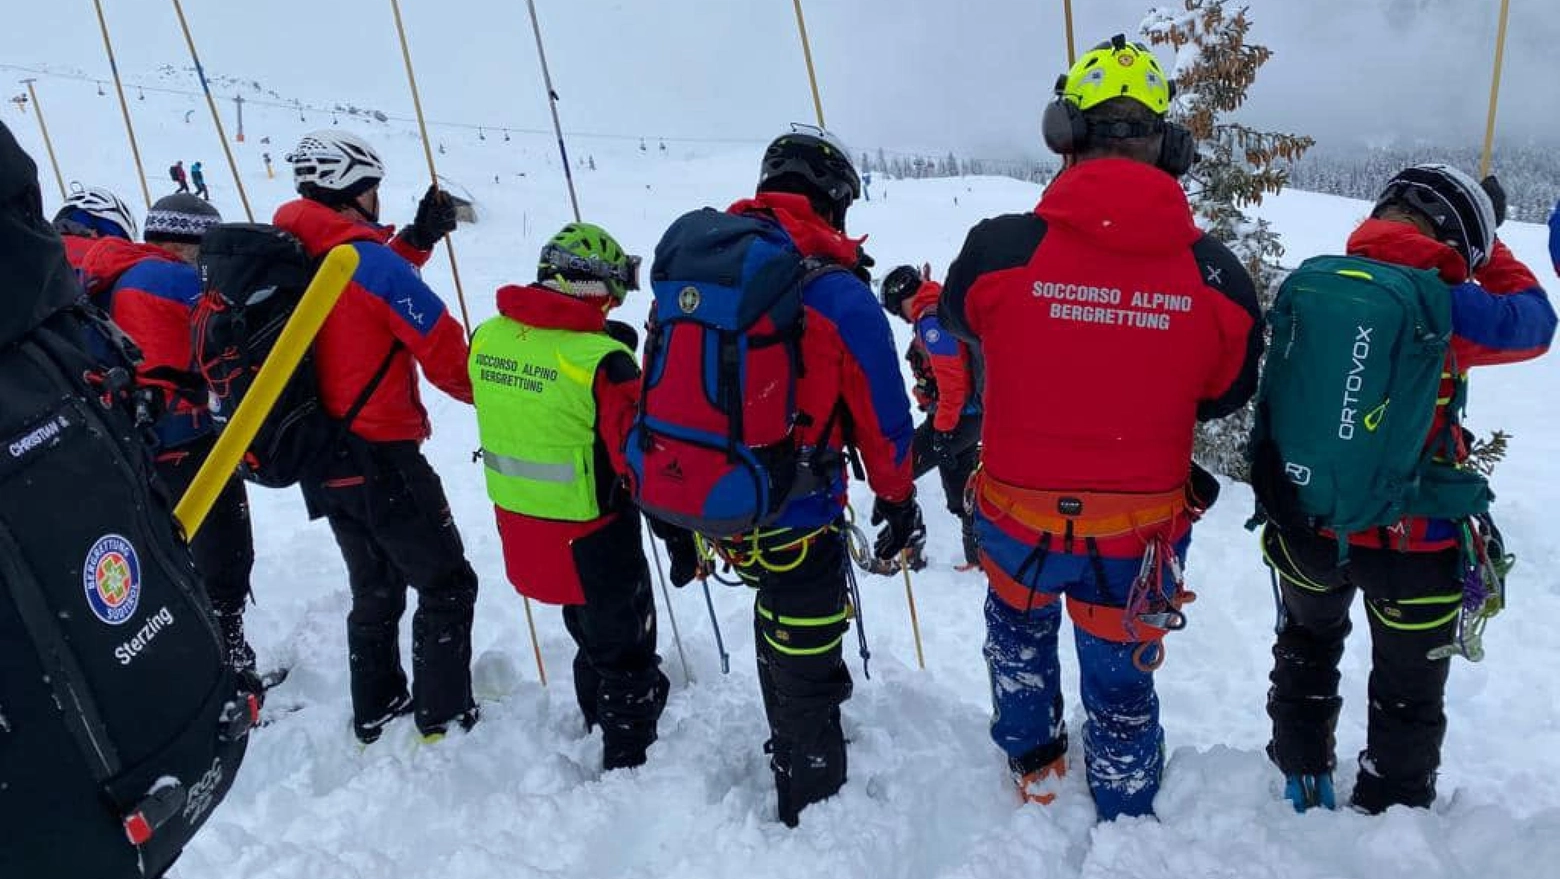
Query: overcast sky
point(935, 75)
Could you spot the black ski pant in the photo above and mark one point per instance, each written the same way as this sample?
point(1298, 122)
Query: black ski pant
point(1411, 601)
point(800, 620)
point(617, 675)
point(388, 512)
point(954, 470)
point(223, 548)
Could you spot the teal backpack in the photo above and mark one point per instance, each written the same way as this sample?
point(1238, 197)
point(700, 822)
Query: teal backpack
point(1348, 396)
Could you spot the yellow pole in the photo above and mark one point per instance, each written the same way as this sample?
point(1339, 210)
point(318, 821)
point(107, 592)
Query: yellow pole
point(135, 149)
point(812, 75)
point(422, 125)
point(317, 301)
point(1500, 57)
point(915, 620)
point(460, 295)
point(47, 142)
point(211, 103)
point(1072, 52)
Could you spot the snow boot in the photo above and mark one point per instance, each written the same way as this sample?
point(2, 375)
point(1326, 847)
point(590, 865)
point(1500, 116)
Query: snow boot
point(1038, 774)
point(466, 720)
point(1309, 791)
point(1374, 794)
point(239, 654)
point(971, 543)
point(628, 718)
point(368, 732)
point(1042, 785)
point(804, 776)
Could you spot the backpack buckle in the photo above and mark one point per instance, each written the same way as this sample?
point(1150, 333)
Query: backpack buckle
point(153, 811)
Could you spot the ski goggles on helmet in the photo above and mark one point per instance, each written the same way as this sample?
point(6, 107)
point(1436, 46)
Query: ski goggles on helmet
point(625, 273)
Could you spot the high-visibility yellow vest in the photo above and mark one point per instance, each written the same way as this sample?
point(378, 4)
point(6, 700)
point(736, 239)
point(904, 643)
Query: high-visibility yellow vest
point(536, 416)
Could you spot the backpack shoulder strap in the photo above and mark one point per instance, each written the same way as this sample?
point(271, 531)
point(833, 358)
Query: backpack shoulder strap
point(367, 393)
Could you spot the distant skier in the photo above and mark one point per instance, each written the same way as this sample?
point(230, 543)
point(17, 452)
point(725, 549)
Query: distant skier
point(947, 388)
point(1417, 572)
point(269, 171)
point(556, 387)
point(198, 177)
point(176, 173)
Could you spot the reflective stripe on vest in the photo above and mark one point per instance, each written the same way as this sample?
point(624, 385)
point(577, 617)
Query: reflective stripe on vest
point(534, 390)
point(507, 466)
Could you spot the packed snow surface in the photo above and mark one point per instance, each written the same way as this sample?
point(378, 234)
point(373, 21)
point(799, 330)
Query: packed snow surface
point(522, 795)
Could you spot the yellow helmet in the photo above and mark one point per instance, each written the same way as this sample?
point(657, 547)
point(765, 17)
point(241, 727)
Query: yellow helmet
point(1117, 69)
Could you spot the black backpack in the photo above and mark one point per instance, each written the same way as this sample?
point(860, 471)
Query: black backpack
point(121, 724)
point(253, 276)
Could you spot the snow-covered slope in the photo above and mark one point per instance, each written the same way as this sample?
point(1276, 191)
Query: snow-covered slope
point(521, 795)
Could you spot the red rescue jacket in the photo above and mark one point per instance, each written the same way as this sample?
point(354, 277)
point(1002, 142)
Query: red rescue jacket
point(1109, 325)
point(151, 294)
point(386, 301)
point(946, 375)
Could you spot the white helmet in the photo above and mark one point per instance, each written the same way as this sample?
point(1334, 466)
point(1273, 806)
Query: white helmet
point(100, 204)
point(335, 162)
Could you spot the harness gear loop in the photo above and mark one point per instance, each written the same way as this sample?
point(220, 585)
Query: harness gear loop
point(1152, 609)
point(1483, 587)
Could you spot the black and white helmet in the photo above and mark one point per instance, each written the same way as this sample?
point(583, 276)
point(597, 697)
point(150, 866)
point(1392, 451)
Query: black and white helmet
point(1458, 208)
point(100, 207)
point(335, 162)
point(815, 157)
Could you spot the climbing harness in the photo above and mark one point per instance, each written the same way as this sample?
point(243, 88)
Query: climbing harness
point(1485, 564)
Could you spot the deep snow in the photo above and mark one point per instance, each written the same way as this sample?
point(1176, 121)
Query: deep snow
point(522, 794)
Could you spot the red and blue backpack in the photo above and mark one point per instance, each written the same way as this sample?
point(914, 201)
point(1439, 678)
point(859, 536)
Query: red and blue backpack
point(715, 448)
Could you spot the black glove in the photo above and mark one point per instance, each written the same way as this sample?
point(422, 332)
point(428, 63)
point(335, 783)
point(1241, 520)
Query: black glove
point(863, 267)
point(1202, 491)
point(1497, 194)
point(435, 219)
point(945, 446)
point(684, 554)
point(624, 333)
point(903, 529)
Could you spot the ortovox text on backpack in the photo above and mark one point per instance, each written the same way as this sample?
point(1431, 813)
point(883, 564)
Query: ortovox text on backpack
point(715, 448)
point(1348, 398)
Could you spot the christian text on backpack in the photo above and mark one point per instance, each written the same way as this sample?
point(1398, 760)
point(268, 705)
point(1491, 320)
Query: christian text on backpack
point(121, 724)
point(714, 447)
point(1349, 394)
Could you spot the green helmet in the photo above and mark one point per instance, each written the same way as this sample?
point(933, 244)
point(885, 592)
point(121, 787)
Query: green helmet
point(585, 252)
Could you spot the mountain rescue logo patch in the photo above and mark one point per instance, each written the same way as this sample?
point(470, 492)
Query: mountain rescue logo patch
point(111, 579)
point(688, 300)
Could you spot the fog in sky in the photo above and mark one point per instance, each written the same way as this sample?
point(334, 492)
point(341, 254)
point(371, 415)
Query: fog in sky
point(933, 75)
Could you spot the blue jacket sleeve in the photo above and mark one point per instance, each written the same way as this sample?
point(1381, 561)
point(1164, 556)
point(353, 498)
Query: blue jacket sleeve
point(417, 317)
point(1554, 237)
point(1490, 328)
point(872, 388)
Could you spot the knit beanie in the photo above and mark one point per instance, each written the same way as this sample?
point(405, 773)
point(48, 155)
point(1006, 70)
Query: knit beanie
point(180, 218)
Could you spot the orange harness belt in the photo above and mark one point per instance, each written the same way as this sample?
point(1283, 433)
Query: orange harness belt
point(1081, 514)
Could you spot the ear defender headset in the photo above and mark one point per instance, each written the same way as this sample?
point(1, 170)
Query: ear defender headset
point(1110, 71)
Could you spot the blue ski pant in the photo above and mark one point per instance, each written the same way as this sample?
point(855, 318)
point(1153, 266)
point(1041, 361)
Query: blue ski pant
point(1123, 741)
